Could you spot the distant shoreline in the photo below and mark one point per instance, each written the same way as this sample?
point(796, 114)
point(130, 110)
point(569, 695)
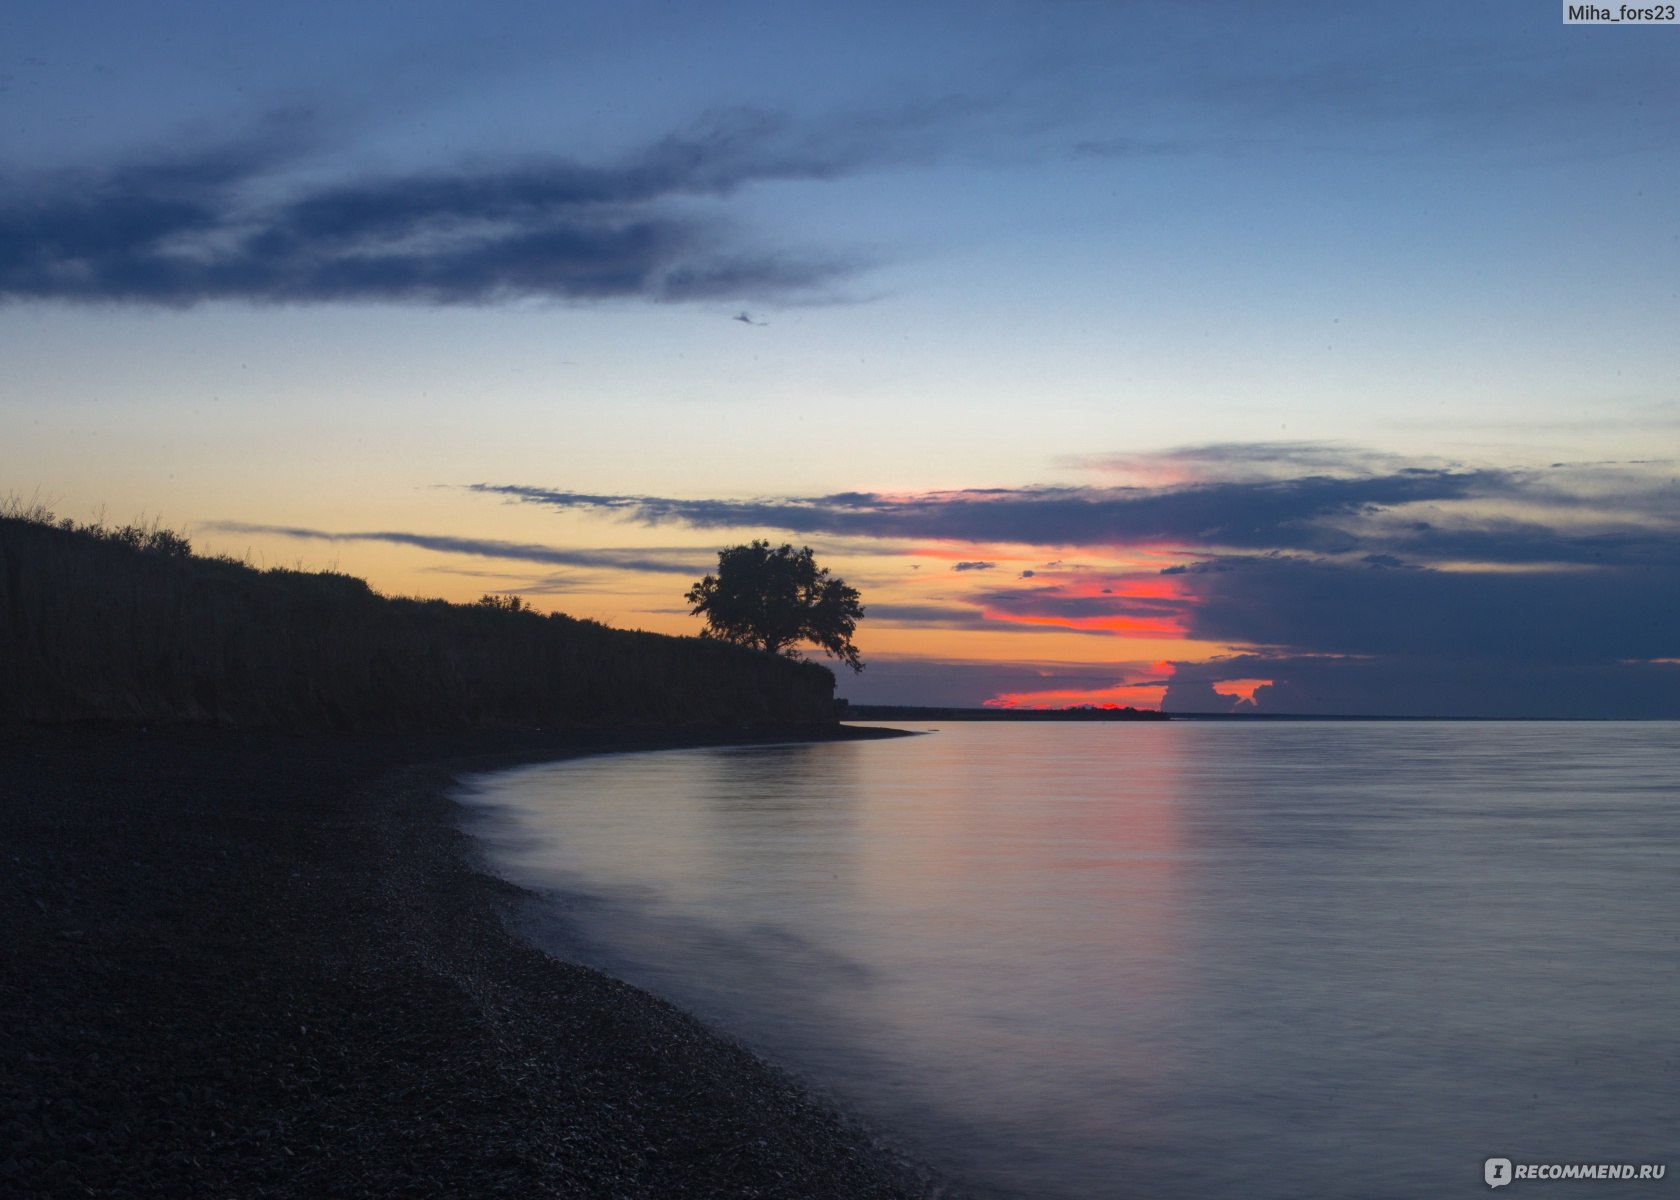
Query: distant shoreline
point(908, 712)
point(905, 712)
point(1364, 717)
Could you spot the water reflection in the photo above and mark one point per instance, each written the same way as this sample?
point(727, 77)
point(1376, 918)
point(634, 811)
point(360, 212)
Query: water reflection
point(1210, 960)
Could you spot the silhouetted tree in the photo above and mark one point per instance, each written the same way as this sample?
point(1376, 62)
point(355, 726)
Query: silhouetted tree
point(773, 599)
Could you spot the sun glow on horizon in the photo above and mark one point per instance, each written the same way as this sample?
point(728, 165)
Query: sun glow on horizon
point(1147, 694)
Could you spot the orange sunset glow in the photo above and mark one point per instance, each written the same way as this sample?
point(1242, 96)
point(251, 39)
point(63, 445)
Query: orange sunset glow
point(1174, 354)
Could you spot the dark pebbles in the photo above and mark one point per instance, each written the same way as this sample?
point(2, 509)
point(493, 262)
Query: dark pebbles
point(262, 965)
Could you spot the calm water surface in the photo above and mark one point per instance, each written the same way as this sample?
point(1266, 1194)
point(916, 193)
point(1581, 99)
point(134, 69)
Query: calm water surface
point(1198, 960)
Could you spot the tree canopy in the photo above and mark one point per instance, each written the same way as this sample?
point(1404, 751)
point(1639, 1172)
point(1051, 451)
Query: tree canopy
point(773, 599)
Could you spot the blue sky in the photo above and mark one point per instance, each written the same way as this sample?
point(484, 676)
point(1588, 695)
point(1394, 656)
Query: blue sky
point(1213, 303)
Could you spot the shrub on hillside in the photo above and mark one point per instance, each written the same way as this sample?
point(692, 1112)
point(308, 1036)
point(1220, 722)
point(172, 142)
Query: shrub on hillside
point(129, 624)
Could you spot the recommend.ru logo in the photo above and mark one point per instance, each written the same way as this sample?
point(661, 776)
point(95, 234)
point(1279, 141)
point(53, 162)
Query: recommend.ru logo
point(1497, 1172)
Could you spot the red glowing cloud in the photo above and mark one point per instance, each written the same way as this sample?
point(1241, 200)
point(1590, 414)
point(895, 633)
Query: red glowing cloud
point(1242, 689)
point(1141, 692)
point(1154, 606)
point(1128, 626)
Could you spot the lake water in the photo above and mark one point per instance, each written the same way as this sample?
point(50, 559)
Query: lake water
point(1190, 959)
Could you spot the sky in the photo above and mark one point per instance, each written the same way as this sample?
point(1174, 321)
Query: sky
point(1292, 358)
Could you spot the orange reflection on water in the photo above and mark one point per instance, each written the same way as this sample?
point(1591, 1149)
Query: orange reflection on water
point(986, 838)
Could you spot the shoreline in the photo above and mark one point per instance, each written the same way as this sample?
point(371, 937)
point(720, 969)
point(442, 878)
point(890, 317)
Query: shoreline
point(268, 964)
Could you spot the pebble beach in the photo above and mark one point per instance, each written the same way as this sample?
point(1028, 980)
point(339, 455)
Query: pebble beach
point(265, 965)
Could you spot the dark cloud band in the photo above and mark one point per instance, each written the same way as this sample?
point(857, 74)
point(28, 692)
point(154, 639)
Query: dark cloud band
point(223, 224)
point(666, 562)
point(1377, 517)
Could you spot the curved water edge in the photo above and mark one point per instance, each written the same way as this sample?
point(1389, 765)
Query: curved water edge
point(1180, 959)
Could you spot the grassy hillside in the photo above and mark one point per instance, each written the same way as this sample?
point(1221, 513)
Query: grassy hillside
point(128, 624)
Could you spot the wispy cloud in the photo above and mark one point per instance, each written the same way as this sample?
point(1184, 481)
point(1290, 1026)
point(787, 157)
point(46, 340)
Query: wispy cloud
point(1150, 610)
point(1230, 462)
point(1419, 514)
point(667, 561)
point(1244, 515)
point(238, 222)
